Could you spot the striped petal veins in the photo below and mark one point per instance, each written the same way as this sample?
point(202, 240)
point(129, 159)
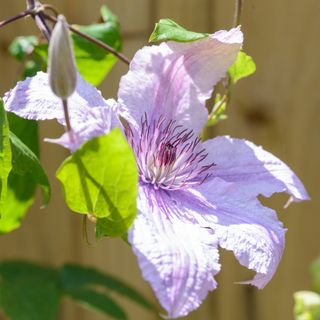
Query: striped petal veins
point(168, 155)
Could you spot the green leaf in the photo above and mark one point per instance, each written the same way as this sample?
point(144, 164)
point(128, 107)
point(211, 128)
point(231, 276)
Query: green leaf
point(218, 111)
point(100, 179)
point(26, 174)
point(26, 163)
point(307, 305)
point(243, 67)
point(28, 291)
point(25, 130)
point(93, 62)
point(97, 301)
point(5, 160)
point(22, 46)
point(167, 29)
point(75, 277)
point(315, 274)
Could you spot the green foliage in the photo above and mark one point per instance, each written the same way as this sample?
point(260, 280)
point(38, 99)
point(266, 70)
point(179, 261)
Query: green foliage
point(315, 274)
point(307, 305)
point(20, 171)
point(243, 67)
point(26, 173)
point(26, 163)
point(5, 159)
point(100, 179)
point(34, 292)
point(77, 278)
point(218, 110)
point(167, 29)
point(93, 62)
point(29, 292)
point(22, 46)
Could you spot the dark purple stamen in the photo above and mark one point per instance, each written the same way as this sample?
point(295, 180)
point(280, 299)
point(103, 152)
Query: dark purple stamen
point(168, 156)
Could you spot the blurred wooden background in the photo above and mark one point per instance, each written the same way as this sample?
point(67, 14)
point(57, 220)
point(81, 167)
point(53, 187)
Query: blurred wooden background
point(278, 107)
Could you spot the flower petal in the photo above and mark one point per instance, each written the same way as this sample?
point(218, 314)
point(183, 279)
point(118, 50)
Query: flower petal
point(252, 168)
point(242, 224)
point(175, 79)
point(177, 257)
point(90, 115)
point(98, 121)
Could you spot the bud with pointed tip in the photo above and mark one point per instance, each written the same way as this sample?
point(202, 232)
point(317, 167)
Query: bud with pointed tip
point(61, 65)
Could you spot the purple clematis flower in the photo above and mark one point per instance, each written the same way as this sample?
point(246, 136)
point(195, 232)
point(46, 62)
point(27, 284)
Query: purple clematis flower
point(193, 197)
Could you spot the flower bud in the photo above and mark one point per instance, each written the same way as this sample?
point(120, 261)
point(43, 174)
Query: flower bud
point(61, 65)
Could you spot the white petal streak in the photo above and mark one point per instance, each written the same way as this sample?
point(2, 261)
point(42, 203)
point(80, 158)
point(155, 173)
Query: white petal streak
point(178, 258)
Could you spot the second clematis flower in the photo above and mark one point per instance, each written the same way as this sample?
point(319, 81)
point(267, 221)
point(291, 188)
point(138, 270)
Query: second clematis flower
point(193, 196)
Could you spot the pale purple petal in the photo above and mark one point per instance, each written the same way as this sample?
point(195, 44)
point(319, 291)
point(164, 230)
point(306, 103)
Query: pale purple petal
point(90, 115)
point(253, 169)
point(98, 121)
point(178, 258)
point(175, 79)
point(241, 223)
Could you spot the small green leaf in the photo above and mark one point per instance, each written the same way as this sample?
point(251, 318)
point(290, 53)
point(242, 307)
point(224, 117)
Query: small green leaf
point(21, 47)
point(5, 159)
point(100, 179)
point(315, 274)
point(243, 67)
point(29, 292)
point(167, 29)
point(93, 62)
point(307, 305)
point(26, 163)
point(75, 277)
point(218, 111)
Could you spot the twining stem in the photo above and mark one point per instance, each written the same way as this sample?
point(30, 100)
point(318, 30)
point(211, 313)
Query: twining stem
point(237, 12)
point(16, 17)
point(93, 40)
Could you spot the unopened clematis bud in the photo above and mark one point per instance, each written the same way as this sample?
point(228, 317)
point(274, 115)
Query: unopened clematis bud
point(61, 66)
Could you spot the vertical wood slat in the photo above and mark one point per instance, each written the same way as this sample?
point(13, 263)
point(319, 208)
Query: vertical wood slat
point(278, 107)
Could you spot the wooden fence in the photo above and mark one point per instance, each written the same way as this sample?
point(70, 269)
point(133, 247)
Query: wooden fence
point(278, 107)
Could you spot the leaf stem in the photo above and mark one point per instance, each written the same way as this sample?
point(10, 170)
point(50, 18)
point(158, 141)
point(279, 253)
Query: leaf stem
point(97, 42)
point(237, 12)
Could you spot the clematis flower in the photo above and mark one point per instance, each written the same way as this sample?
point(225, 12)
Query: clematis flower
point(193, 196)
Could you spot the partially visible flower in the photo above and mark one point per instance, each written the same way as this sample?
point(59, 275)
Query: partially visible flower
point(193, 197)
point(61, 64)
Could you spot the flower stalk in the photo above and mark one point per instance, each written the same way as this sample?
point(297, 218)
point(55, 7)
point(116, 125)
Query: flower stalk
point(237, 12)
point(61, 67)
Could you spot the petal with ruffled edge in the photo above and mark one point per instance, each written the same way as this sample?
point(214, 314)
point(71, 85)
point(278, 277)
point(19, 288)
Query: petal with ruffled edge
point(178, 258)
point(175, 79)
point(253, 169)
point(241, 223)
point(90, 114)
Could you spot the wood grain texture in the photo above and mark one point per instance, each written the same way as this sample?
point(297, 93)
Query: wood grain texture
point(278, 108)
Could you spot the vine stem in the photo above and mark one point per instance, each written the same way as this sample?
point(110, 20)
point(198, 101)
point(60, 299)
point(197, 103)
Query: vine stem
point(20, 15)
point(97, 42)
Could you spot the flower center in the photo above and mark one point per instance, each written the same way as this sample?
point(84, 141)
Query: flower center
point(168, 156)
